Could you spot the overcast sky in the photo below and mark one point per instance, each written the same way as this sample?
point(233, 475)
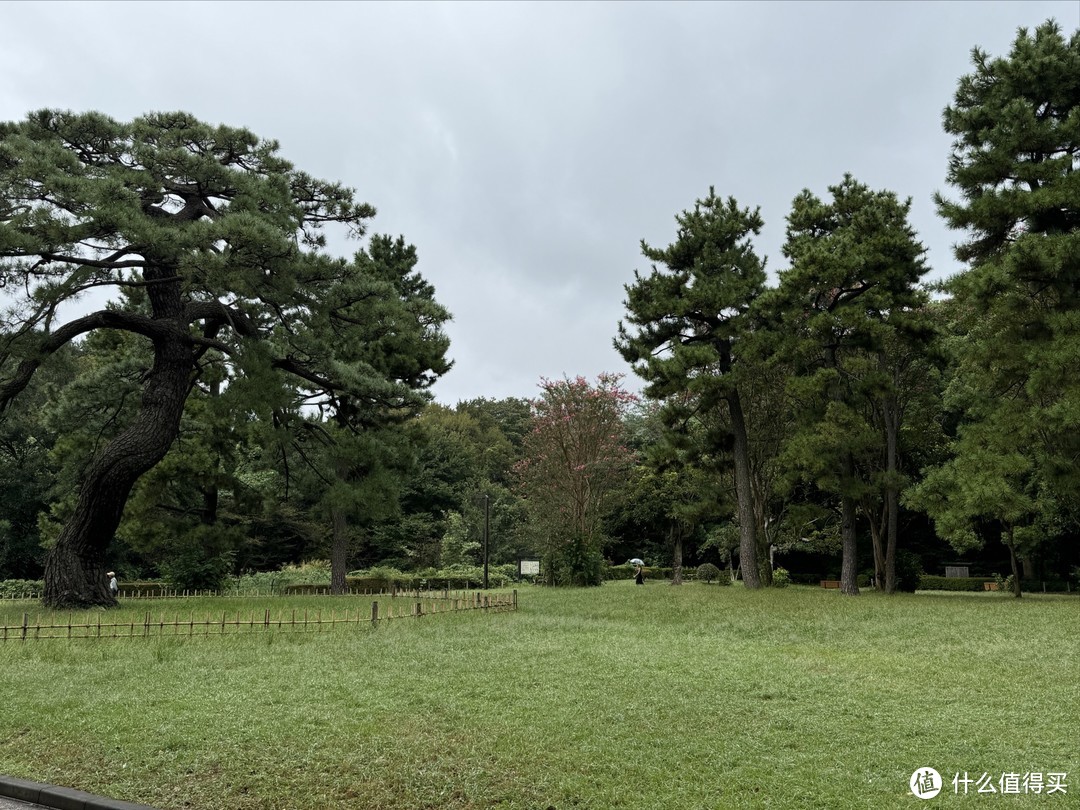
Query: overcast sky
point(527, 148)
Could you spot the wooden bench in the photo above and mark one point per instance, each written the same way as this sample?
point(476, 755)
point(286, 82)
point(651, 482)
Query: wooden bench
point(830, 583)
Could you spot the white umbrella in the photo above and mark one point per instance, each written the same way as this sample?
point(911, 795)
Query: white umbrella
point(637, 561)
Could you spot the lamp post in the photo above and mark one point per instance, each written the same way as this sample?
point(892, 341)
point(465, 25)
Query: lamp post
point(487, 522)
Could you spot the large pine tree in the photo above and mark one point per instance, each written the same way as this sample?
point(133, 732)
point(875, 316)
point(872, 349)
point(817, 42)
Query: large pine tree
point(682, 331)
point(854, 273)
point(226, 240)
point(1016, 164)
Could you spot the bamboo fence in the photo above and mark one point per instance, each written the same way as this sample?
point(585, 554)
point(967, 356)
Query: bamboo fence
point(256, 593)
point(306, 621)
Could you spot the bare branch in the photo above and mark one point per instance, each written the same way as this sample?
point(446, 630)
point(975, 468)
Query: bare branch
point(53, 341)
point(107, 264)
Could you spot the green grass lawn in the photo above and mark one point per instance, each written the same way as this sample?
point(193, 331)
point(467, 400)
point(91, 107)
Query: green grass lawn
point(617, 697)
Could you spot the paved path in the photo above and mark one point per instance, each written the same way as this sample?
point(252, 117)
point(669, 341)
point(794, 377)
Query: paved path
point(12, 804)
point(51, 796)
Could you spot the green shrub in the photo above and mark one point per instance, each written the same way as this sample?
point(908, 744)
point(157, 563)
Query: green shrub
point(383, 579)
point(464, 577)
point(201, 561)
point(365, 584)
point(935, 583)
point(311, 588)
point(20, 588)
point(619, 572)
point(259, 582)
point(507, 573)
point(707, 572)
point(373, 583)
point(145, 588)
point(780, 578)
point(578, 563)
point(312, 572)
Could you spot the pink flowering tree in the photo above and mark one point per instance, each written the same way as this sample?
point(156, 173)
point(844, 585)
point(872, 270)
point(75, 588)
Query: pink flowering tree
point(574, 459)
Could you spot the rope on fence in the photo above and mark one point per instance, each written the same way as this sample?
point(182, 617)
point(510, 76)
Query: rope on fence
point(148, 628)
point(167, 593)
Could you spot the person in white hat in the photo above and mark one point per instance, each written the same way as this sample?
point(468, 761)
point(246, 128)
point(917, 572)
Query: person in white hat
point(114, 587)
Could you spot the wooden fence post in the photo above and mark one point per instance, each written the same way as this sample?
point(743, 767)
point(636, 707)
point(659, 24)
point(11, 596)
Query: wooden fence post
point(437, 601)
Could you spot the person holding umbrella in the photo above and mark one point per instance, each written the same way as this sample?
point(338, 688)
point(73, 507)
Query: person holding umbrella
point(639, 565)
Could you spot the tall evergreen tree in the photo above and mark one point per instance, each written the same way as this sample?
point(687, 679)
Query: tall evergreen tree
point(684, 323)
point(1015, 162)
point(855, 267)
point(400, 339)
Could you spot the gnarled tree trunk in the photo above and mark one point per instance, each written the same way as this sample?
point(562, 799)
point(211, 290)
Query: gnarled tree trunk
point(75, 566)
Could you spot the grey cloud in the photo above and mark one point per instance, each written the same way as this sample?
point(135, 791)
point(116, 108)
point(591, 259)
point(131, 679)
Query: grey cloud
point(527, 148)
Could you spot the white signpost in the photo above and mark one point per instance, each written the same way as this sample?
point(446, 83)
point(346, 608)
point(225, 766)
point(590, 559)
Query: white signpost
point(529, 568)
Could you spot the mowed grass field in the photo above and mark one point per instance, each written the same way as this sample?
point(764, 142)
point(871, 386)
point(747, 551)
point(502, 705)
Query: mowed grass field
point(614, 697)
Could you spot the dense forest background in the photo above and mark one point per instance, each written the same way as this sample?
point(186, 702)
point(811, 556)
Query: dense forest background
point(849, 422)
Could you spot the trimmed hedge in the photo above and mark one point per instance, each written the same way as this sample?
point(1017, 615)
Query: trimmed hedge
point(406, 582)
point(20, 588)
point(927, 582)
point(361, 584)
point(147, 588)
point(707, 572)
point(934, 583)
